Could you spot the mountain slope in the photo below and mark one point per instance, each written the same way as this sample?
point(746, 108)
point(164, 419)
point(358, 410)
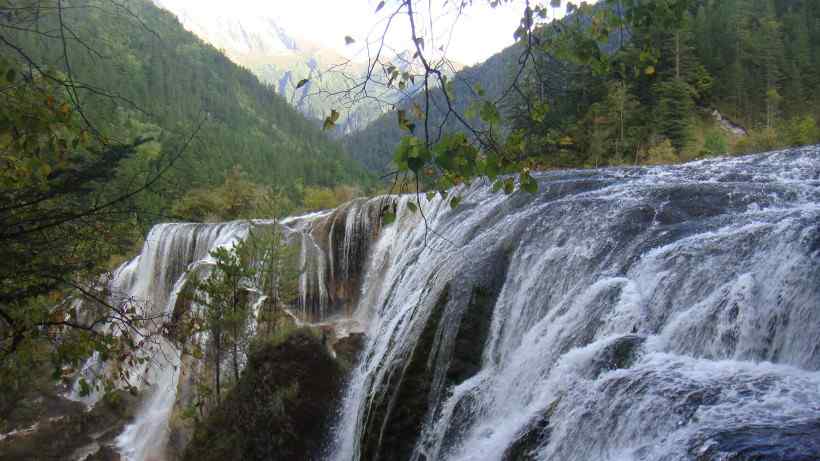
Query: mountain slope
point(373, 146)
point(755, 61)
point(262, 44)
point(168, 81)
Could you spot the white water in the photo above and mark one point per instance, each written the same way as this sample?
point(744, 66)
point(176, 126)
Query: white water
point(711, 271)
point(154, 279)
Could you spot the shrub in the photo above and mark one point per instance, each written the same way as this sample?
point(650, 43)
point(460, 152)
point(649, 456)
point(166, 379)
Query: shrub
point(661, 153)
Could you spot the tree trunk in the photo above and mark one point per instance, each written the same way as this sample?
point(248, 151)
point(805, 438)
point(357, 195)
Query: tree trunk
point(235, 328)
point(218, 347)
point(235, 360)
point(677, 54)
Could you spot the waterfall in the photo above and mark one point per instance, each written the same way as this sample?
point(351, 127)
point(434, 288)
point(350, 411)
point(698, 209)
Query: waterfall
point(334, 246)
point(152, 281)
point(664, 313)
point(159, 273)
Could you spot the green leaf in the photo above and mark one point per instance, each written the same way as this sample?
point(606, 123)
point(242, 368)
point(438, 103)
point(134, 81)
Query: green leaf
point(455, 202)
point(11, 75)
point(479, 90)
point(302, 83)
point(331, 120)
point(415, 164)
point(349, 40)
point(509, 186)
point(388, 218)
point(489, 113)
point(85, 388)
point(379, 7)
point(528, 184)
point(540, 111)
point(412, 207)
point(472, 110)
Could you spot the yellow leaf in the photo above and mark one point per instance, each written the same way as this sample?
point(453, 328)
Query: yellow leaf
point(650, 70)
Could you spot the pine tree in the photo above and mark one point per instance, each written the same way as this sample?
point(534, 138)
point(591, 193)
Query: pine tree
point(224, 298)
point(675, 111)
point(770, 55)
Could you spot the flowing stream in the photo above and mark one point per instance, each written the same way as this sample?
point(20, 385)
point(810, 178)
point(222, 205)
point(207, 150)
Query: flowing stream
point(665, 313)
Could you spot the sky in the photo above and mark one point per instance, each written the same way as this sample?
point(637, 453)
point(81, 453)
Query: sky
point(479, 32)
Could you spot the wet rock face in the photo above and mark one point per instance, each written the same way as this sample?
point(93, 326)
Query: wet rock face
point(461, 317)
point(799, 442)
point(394, 425)
point(621, 353)
point(537, 433)
point(334, 250)
point(63, 429)
point(475, 321)
point(472, 336)
point(280, 409)
point(348, 348)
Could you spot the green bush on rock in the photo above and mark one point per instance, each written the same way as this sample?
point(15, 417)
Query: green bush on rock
point(281, 408)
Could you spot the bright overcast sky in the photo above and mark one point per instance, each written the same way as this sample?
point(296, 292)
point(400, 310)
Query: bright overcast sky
point(479, 33)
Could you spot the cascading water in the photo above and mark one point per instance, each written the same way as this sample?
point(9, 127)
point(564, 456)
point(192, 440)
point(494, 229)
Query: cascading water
point(334, 246)
point(628, 314)
point(153, 279)
point(665, 313)
point(171, 252)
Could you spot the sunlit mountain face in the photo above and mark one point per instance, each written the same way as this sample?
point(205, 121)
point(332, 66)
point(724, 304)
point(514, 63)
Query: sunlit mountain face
point(263, 42)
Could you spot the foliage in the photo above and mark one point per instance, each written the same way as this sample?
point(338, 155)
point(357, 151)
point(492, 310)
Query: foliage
point(236, 198)
point(61, 223)
point(264, 261)
point(663, 152)
point(276, 274)
point(601, 86)
point(165, 82)
point(715, 143)
point(111, 112)
point(323, 198)
point(223, 295)
point(281, 408)
point(801, 130)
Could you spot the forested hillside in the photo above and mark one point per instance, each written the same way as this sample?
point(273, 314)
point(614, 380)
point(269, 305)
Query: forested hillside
point(651, 98)
point(153, 79)
point(265, 44)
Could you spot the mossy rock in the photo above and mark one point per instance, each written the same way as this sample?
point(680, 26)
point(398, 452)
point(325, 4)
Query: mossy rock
point(281, 408)
point(349, 348)
point(536, 434)
point(64, 427)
